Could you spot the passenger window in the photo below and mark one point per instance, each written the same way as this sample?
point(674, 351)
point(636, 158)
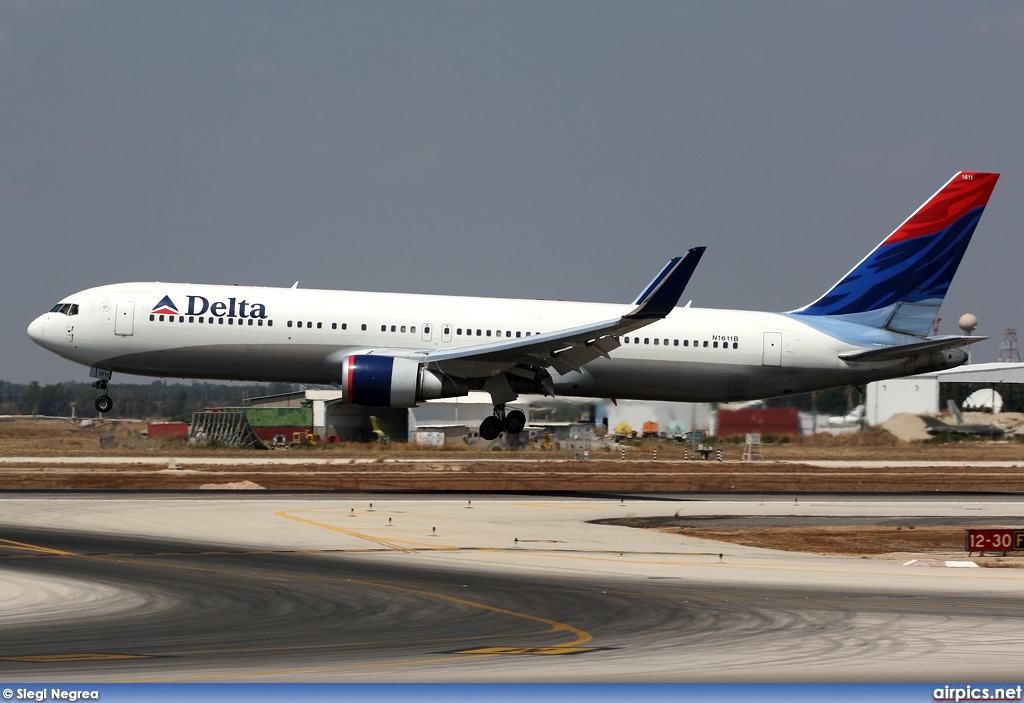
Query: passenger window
point(626, 340)
point(479, 333)
point(151, 317)
point(686, 342)
point(289, 323)
point(181, 318)
point(518, 333)
point(675, 342)
point(647, 340)
point(220, 320)
point(527, 334)
point(334, 325)
point(259, 322)
point(656, 340)
point(413, 329)
point(344, 325)
point(458, 331)
point(705, 345)
point(735, 345)
point(383, 328)
point(161, 318)
point(250, 322)
point(402, 328)
point(231, 320)
point(715, 345)
point(392, 328)
point(270, 323)
point(488, 333)
point(364, 327)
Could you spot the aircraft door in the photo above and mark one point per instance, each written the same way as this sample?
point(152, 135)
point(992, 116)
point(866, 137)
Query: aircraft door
point(426, 332)
point(446, 333)
point(124, 319)
point(772, 355)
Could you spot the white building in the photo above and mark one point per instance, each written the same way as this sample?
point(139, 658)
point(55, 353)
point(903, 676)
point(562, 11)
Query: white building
point(920, 394)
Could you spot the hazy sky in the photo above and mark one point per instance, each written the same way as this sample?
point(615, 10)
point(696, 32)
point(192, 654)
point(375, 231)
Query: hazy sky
point(544, 149)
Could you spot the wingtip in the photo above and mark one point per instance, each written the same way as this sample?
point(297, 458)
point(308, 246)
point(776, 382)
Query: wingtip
point(663, 293)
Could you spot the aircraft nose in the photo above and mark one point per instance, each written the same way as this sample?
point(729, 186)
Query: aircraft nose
point(36, 330)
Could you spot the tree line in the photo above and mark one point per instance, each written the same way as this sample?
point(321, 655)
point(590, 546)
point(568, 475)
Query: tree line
point(156, 400)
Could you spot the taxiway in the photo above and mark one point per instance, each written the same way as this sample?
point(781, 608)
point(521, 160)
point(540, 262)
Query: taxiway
point(477, 588)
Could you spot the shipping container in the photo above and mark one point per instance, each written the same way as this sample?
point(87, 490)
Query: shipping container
point(766, 421)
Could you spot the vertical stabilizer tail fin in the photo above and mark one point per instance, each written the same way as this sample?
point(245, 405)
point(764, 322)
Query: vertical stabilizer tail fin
point(900, 285)
point(955, 411)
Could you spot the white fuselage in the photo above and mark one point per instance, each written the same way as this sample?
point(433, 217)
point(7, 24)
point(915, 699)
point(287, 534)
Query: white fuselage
point(275, 334)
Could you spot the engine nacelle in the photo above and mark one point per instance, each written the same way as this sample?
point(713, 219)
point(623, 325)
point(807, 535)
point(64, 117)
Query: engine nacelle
point(394, 382)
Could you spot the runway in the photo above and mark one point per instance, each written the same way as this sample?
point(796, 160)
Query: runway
point(474, 588)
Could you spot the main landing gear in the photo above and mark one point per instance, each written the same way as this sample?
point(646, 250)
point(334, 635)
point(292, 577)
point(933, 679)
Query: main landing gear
point(103, 404)
point(512, 422)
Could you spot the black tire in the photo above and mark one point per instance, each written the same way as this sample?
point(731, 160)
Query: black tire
point(104, 404)
point(490, 428)
point(515, 421)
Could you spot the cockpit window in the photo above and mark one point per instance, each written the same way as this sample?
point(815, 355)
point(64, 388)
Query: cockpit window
point(65, 308)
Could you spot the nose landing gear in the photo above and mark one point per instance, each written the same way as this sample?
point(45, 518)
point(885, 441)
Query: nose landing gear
point(103, 404)
point(512, 422)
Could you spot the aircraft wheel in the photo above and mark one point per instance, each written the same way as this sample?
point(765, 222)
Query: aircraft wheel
point(490, 428)
point(515, 421)
point(104, 404)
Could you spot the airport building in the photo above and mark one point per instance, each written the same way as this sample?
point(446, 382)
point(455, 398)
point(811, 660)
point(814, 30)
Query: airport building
point(923, 394)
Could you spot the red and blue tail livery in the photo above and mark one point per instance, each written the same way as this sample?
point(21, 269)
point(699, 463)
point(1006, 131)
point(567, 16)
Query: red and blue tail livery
point(901, 284)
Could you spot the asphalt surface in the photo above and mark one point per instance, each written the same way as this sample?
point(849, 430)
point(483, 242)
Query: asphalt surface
point(429, 589)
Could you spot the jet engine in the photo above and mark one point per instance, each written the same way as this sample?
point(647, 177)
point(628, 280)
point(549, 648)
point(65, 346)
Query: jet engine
point(394, 382)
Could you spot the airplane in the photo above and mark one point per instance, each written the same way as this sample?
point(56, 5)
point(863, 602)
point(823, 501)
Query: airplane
point(935, 426)
point(397, 350)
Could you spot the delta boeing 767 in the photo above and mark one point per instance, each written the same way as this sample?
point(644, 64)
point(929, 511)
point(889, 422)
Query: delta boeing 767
point(397, 350)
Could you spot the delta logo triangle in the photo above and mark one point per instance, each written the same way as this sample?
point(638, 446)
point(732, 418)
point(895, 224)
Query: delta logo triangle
point(166, 306)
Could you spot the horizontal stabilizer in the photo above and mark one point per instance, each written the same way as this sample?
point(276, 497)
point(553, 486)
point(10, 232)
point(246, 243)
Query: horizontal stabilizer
point(902, 351)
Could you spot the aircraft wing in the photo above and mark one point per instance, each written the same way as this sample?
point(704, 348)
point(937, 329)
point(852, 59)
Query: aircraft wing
point(902, 351)
point(569, 349)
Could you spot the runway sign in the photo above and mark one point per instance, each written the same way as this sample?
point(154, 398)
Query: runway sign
point(993, 540)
